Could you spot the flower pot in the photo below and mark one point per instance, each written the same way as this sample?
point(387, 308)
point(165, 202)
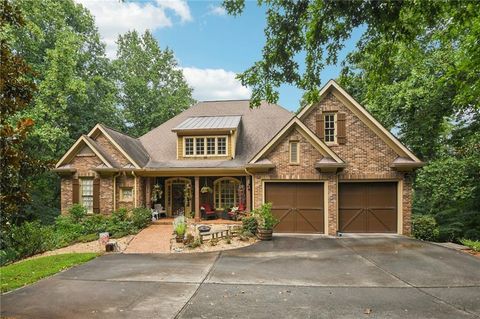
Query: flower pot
point(179, 239)
point(264, 234)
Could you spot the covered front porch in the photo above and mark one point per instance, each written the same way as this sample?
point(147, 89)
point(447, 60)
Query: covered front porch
point(199, 197)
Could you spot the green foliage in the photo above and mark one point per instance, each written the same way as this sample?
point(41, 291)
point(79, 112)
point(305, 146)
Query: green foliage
point(180, 229)
point(26, 240)
point(472, 244)
point(249, 223)
point(29, 271)
point(456, 223)
point(141, 217)
point(17, 88)
point(264, 216)
point(151, 87)
point(77, 212)
point(33, 238)
point(194, 244)
point(424, 227)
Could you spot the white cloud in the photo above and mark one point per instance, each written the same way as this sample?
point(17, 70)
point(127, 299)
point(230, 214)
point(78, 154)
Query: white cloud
point(217, 10)
point(215, 84)
point(114, 17)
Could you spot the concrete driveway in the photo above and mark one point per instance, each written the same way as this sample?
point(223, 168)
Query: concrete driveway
point(290, 277)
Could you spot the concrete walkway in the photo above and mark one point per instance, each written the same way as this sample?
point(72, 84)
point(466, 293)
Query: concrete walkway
point(153, 239)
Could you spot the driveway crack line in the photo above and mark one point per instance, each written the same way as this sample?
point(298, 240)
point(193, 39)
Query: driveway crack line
point(212, 267)
point(408, 283)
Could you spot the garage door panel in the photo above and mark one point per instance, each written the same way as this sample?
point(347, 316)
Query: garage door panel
point(310, 220)
point(299, 205)
point(368, 207)
point(382, 221)
point(287, 218)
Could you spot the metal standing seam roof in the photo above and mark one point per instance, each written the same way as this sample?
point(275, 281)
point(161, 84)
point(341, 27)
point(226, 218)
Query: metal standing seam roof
point(209, 123)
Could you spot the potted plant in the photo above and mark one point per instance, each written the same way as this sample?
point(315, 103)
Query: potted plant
point(265, 220)
point(180, 228)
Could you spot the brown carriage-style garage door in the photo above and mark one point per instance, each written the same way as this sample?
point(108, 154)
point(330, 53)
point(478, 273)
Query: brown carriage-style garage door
point(299, 206)
point(368, 207)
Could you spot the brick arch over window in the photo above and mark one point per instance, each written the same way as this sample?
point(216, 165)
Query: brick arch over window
point(225, 192)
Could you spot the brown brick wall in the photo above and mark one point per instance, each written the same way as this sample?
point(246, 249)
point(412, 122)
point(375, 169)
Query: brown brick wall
point(111, 150)
point(84, 163)
point(308, 156)
point(367, 156)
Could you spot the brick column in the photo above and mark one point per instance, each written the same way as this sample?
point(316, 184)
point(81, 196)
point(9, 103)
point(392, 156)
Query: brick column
point(248, 194)
point(197, 198)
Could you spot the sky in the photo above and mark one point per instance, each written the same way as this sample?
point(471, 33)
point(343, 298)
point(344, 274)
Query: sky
point(210, 46)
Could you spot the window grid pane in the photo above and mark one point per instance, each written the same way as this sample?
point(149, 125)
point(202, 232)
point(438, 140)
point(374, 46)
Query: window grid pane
point(211, 146)
point(221, 146)
point(294, 152)
point(189, 146)
point(87, 193)
point(329, 128)
point(200, 146)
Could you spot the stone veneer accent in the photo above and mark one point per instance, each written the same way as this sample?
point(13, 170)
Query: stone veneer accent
point(368, 158)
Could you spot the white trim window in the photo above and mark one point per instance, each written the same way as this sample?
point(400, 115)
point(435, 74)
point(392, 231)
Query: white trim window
point(86, 193)
point(294, 152)
point(205, 146)
point(126, 194)
point(225, 191)
point(330, 127)
point(189, 142)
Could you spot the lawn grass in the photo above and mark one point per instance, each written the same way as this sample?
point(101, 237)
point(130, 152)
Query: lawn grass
point(29, 271)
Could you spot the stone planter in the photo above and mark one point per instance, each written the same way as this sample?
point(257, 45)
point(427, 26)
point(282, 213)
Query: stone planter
point(264, 234)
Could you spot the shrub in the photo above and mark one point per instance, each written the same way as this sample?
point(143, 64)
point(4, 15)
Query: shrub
point(95, 224)
point(264, 216)
point(26, 240)
point(425, 227)
point(66, 231)
point(141, 217)
point(250, 224)
point(87, 238)
point(77, 212)
point(120, 215)
point(196, 243)
point(472, 244)
point(180, 229)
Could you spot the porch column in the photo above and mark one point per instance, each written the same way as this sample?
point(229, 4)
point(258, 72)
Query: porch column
point(197, 198)
point(248, 194)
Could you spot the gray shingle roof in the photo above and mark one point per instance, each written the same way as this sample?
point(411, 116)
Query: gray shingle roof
point(209, 123)
point(256, 128)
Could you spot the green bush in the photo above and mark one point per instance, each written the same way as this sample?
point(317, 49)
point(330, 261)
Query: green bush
point(264, 216)
point(77, 212)
point(67, 231)
point(120, 215)
point(26, 240)
point(141, 217)
point(425, 227)
point(249, 224)
point(472, 244)
point(96, 223)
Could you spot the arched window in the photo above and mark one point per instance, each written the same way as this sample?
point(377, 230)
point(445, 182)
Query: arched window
point(225, 192)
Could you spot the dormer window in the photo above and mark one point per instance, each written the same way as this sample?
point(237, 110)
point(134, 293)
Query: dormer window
point(205, 146)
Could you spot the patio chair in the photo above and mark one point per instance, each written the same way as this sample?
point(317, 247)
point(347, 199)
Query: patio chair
point(208, 212)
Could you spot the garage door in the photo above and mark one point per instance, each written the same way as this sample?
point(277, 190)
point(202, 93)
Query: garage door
point(299, 206)
point(368, 207)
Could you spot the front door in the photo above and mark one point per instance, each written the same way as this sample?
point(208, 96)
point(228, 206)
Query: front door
point(175, 200)
point(178, 199)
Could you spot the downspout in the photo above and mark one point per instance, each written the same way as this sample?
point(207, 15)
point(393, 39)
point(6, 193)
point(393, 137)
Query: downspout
point(115, 191)
point(252, 186)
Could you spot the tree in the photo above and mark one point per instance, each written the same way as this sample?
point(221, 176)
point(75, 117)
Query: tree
point(318, 30)
point(16, 91)
point(151, 86)
point(75, 87)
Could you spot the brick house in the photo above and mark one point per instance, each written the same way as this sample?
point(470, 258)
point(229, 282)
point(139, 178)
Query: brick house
point(330, 168)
